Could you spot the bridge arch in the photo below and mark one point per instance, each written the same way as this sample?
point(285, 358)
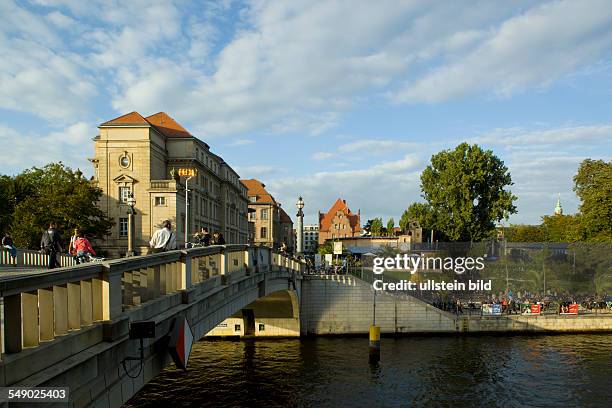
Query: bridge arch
point(274, 315)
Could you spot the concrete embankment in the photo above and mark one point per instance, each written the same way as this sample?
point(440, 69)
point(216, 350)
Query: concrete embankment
point(336, 305)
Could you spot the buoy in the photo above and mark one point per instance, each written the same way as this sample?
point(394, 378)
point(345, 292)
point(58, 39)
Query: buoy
point(374, 343)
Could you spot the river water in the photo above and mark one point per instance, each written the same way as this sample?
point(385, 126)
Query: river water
point(453, 371)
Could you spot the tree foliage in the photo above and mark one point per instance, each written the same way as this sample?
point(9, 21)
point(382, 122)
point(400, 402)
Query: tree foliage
point(390, 227)
point(593, 184)
point(376, 227)
point(53, 193)
point(593, 223)
point(326, 248)
point(466, 192)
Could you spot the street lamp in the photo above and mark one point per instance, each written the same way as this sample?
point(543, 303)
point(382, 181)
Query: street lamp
point(131, 202)
point(189, 173)
point(300, 226)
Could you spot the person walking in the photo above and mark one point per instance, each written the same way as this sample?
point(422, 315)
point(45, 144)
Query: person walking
point(50, 244)
point(163, 239)
point(83, 248)
point(7, 242)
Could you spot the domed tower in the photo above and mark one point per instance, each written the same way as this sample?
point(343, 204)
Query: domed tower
point(558, 208)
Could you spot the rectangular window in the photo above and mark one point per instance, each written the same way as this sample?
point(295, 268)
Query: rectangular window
point(182, 222)
point(124, 194)
point(160, 201)
point(123, 227)
point(263, 233)
point(264, 214)
point(253, 199)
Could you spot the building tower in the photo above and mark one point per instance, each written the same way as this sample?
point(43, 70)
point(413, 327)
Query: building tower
point(558, 208)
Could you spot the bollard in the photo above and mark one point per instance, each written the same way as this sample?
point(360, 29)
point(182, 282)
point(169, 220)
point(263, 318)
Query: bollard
point(374, 343)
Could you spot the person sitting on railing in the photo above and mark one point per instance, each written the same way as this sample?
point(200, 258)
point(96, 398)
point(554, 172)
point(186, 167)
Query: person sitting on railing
point(7, 242)
point(83, 248)
point(218, 239)
point(163, 239)
point(204, 237)
point(71, 250)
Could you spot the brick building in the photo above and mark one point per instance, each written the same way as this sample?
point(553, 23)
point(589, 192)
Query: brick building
point(339, 222)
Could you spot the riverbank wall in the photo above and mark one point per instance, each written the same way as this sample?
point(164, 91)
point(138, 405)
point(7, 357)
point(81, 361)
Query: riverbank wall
point(344, 305)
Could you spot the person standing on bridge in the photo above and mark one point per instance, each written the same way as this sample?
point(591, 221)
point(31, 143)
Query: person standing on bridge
point(50, 244)
point(163, 239)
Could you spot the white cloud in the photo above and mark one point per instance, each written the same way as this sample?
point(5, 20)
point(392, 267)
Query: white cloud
point(378, 147)
point(241, 142)
point(322, 156)
point(72, 146)
point(383, 189)
point(517, 137)
point(526, 50)
point(257, 171)
point(284, 66)
point(60, 20)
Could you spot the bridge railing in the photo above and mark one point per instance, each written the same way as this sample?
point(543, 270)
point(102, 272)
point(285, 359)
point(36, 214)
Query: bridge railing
point(41, 306)
point(31, 258)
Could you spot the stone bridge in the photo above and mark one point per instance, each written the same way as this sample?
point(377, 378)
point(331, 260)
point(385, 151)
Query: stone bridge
point(70, 326)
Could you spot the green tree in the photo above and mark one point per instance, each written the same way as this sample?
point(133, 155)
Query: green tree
point(423, 213)
point(466, 189)
point(390, 227)
point(376, 227)
point(562, 228)
point(326, 248)
point(56, 193)
point(404, 221)
point(593, 184)
point(368, 226)
point(525, 233)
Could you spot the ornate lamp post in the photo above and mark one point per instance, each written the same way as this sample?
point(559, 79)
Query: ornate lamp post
point(131, 202)
point(300, 225)
point(189, 173)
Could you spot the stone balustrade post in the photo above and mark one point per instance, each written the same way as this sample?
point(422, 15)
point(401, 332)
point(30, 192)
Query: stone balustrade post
point(185, 280)
point(248, 261)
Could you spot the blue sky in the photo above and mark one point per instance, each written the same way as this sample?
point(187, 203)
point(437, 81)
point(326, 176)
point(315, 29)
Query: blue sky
point(324, 99)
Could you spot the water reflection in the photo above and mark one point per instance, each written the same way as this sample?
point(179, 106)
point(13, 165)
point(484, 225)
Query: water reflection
point(418, 371)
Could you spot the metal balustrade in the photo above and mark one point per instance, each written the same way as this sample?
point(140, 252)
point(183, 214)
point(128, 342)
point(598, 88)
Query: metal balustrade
point(40, 306)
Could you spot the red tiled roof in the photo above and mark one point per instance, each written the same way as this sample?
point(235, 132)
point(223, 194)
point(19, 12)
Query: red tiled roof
point(163, 123)
point(257, 188)
point(325, 220)
point(168, 126)
point(132, 118)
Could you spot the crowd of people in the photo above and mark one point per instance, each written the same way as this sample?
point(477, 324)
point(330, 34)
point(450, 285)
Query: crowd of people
point(551, 303)
point(205, 238)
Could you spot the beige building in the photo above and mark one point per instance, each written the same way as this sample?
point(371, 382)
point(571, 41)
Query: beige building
point(271, 225)
point(141, 156)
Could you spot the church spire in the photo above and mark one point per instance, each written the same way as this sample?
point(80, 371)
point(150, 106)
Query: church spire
point(558, 208)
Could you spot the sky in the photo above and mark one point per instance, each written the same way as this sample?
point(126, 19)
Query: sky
point(323, 99)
